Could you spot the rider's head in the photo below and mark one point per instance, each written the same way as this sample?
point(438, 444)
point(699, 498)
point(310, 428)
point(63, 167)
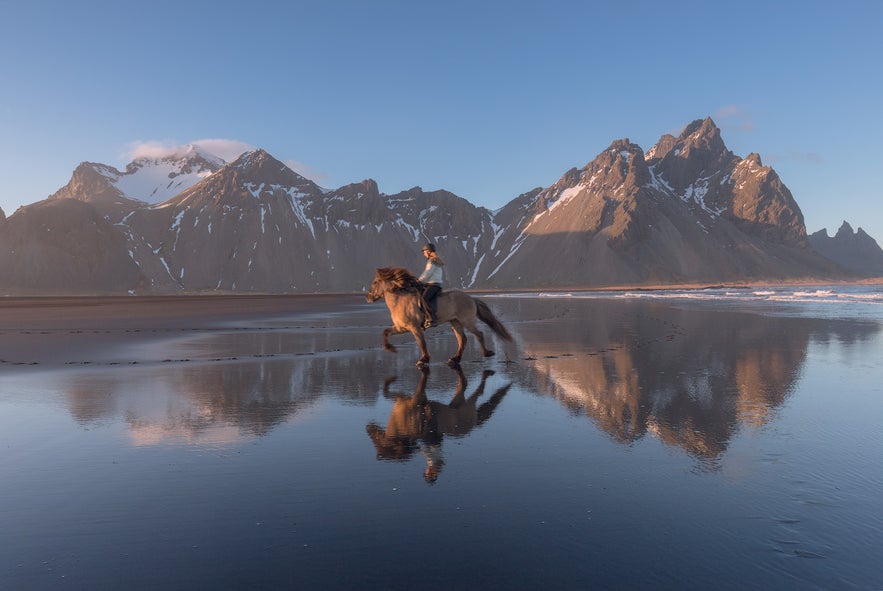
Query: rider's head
point(429, 248)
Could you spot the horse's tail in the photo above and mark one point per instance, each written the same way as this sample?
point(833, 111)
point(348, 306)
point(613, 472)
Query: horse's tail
point(486, 316)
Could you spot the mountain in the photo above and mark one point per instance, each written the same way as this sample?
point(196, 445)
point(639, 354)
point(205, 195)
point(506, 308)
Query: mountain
point(686, 211)
point(145, 180)
point(256, 225)
point(856, 251)
point(57, 246)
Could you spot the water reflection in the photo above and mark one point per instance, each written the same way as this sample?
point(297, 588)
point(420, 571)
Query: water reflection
point(216, 403)
point(689, 378)
point(418, 423)
point(267, 464)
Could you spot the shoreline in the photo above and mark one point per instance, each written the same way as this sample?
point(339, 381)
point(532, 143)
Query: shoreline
point(12, 297)
point(62, 330)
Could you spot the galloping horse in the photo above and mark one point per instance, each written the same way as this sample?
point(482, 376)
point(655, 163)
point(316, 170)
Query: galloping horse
point(401, 290)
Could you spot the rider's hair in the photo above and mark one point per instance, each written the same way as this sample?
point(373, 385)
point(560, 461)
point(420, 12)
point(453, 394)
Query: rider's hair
point(433, 254)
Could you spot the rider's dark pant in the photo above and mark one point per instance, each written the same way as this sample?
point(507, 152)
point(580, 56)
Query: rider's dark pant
point(429, 294)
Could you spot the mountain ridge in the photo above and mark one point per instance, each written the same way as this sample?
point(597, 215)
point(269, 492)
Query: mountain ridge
point(857, 251)
point(686, 211)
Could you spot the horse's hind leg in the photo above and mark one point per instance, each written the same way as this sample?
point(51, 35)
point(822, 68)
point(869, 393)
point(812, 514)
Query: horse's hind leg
point(461, 343)
point(471, 327)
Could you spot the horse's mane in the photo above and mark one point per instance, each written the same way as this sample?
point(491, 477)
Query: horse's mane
point(398, 277)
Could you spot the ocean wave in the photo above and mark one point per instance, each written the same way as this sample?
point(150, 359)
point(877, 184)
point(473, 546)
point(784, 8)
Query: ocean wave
point(831, 296)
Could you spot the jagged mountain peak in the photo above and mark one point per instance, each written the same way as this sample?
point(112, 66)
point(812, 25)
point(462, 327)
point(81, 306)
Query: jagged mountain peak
point(701, 128)
point(845, 230)
point(250, 179)
point(702, 136)
point(623, 149)
point(254, 158)
point(623, 163)
point(856, 251)
point(366, 189)
point(96, 184)
point(665, 145)
point(370, 187)
point(698, 152)
point(260, 166)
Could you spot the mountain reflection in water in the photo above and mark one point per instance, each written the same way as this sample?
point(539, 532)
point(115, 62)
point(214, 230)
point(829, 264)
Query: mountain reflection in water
point(689, 378)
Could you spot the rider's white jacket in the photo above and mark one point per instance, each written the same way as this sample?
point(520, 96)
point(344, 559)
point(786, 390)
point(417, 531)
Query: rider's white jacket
point(433, 273)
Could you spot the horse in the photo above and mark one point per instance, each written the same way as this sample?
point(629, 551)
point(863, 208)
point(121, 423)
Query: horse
point(401, 290)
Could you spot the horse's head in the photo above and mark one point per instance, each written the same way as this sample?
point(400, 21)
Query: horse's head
point(378, 287)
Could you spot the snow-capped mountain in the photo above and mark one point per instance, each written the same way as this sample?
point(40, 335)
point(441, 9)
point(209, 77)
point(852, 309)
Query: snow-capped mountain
point(145, 180)
point(154, 180)
point(256, 225)
point(686, 211)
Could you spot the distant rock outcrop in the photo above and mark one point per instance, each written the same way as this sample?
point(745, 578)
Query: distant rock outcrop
point(855, 251)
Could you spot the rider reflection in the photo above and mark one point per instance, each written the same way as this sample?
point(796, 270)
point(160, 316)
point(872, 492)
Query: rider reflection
point(417, 423)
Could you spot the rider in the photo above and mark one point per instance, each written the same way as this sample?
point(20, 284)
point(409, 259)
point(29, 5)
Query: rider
point(432, 277)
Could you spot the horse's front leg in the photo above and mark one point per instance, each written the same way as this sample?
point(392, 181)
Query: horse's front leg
point(420, 337)
point(386, 344)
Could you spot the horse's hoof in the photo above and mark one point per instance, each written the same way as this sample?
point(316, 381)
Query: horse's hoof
point(422, 363)
point(389, 348)
point(489, 353)
point(453, 362)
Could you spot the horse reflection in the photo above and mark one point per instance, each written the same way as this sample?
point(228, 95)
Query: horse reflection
point(417, 423)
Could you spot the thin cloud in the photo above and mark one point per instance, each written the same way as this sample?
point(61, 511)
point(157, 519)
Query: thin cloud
point(813, 158)
point(150, 149)
point(228, 150)
point(735, 117)
point(305, 170)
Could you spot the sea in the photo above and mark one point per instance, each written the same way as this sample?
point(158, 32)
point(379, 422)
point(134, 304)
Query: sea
point(823, 301)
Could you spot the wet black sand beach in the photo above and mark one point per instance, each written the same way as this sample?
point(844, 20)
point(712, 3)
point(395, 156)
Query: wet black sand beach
point(253, 442)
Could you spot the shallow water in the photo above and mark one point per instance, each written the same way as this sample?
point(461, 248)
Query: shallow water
point(627, 443)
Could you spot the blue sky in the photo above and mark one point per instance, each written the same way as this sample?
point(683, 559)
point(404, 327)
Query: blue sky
point(484, 99)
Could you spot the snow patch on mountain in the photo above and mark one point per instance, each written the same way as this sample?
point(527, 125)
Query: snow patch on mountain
point(154, 180)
